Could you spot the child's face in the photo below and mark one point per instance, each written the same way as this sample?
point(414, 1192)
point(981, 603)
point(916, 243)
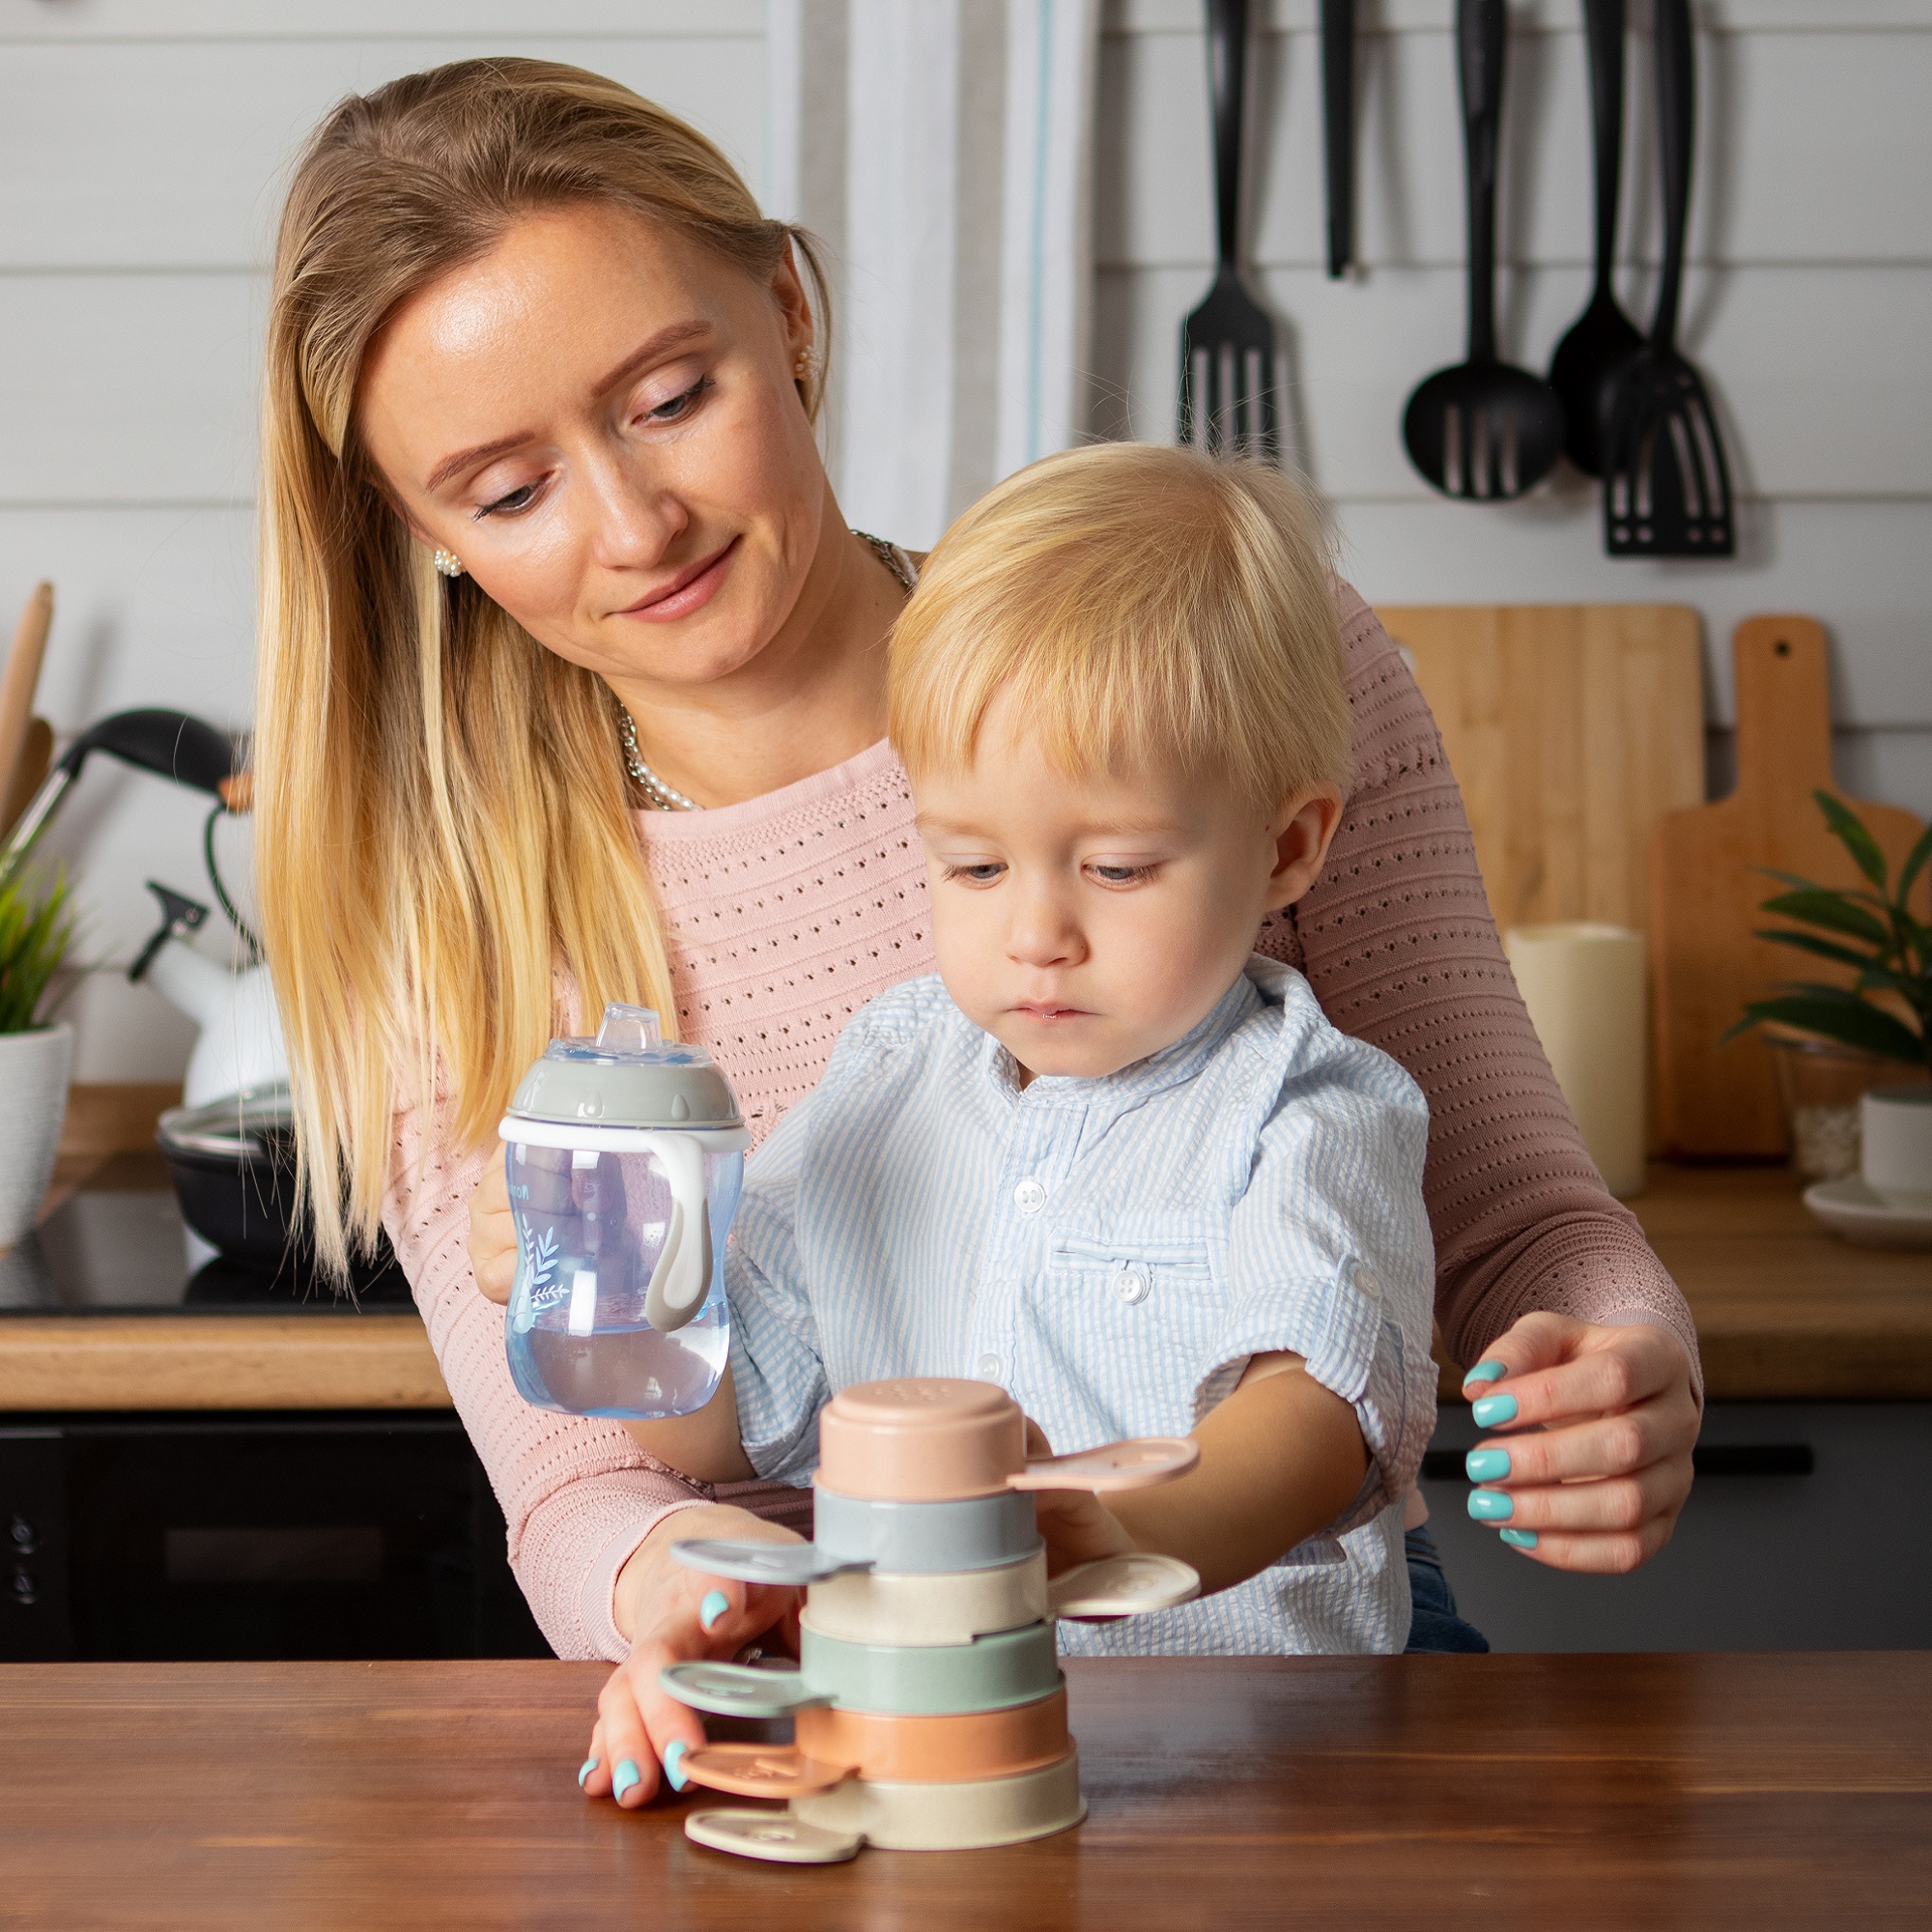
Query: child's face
point(1088, 922)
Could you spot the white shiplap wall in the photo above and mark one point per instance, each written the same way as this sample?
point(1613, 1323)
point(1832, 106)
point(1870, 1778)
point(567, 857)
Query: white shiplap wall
point(142, 143)
point(142, 148)
point(1808, 304)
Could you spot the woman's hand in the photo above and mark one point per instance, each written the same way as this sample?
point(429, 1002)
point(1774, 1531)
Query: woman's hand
point(1599, 1465)
point(493, 1235)
point(672, 1615)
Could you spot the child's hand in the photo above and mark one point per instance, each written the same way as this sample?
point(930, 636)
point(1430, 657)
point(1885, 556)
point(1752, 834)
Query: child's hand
point(1078, 1526)
point(674, 1615)
point(493, 1234)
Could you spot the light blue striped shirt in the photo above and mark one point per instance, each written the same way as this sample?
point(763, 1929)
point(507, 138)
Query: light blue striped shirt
point(1112, 1252)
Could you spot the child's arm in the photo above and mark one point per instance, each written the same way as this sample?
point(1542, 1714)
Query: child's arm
point(704, 1444)
point(1280, 1460)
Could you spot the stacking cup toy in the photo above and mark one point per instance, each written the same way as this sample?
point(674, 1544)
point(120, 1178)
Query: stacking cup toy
point(930, 1709)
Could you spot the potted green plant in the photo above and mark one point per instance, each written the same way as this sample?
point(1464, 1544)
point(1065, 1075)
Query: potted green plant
point(1837, 1040)
point(36, 931)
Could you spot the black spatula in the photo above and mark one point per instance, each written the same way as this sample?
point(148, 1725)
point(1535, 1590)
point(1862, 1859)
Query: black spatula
point(1666, 491)
point(1603, 339)
point(1228, 403)
point(1483, 429)
point(1338, 129)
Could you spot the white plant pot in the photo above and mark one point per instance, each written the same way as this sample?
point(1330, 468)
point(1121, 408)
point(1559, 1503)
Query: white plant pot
point(32, 1104)
point(1898, 1134)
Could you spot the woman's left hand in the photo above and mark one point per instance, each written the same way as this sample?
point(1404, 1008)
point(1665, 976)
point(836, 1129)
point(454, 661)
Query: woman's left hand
point(1597, 1462)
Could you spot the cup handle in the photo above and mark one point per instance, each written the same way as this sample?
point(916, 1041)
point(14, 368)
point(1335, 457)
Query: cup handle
point(683, 1273)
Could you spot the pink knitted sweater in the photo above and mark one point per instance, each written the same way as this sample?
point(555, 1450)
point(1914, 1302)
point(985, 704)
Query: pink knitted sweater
point(787, 913)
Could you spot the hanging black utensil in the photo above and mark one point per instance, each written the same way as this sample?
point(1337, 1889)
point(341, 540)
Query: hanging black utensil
point(1228, 404)
point(1338, 129)
point(1666, 490)
point(1603, 339)
point(1483, 429)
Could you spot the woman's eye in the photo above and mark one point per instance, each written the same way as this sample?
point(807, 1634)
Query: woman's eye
point(681, 404)
point(519, 499)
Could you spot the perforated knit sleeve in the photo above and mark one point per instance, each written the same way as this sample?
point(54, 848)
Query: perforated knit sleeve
point(578, 1495)
point(1398, 943)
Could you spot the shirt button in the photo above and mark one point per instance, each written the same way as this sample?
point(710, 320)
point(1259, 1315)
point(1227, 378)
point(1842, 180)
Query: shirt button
point(1029, 1197)
point(1130, 1284)
point(1367, 1284)
point(989, 1368)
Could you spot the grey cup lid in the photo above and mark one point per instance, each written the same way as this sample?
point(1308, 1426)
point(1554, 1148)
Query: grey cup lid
point(628, 1076)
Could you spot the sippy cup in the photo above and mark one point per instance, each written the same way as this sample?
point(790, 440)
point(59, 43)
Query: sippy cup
point(625, 1158)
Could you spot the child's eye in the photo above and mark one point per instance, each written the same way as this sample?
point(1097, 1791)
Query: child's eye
point(983, 874)
point(1121, 875)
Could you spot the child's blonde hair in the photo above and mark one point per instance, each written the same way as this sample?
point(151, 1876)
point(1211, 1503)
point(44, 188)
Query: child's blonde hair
point(1145, 608)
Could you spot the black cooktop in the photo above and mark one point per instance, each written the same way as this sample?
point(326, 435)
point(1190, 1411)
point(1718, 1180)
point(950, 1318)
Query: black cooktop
point(119, 1247)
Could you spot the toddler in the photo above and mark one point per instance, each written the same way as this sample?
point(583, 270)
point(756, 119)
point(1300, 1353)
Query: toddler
point(1109, 1157)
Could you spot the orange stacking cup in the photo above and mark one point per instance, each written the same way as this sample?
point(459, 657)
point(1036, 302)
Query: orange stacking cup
point(938, 1751)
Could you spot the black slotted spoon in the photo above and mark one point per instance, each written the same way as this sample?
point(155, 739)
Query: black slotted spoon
point(1483, 429)
point(1667, 490)
point(1603, 339)
point(1228, 403)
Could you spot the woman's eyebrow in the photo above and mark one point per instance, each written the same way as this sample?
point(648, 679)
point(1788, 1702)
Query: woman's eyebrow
point(667, 337)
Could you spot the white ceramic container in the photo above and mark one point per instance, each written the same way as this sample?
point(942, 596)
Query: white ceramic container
point(1895, 1128)
point(32, 1104)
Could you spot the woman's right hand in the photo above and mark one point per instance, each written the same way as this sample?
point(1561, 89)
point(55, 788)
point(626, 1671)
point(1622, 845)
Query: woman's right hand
point(673, 1615)
point(493, 1234)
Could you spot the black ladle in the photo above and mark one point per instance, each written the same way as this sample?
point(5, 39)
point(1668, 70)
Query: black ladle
point(1483, 429)
point(1603, 339)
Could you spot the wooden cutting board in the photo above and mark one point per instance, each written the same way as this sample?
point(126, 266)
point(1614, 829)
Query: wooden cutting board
point(1569, 728)
point(1706, 889)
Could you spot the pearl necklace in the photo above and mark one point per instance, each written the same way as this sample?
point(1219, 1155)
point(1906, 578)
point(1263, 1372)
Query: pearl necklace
point(666, 797)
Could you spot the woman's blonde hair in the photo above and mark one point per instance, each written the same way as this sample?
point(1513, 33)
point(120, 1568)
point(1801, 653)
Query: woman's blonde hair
point(1143, 609)
point(441, 802)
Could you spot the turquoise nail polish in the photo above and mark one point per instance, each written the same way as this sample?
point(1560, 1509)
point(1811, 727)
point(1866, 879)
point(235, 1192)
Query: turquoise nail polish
point(673, 1756)
point(1485, 1372)
point(624, 1776)
point(716, 1603)
point(1491, 1411)
point(1487, 1465)
point(589, 1764)
point(1519, 1539)
point(1491, 1505)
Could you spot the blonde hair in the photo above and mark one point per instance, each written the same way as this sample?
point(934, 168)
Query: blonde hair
point(441, 802)
point(1144, 608)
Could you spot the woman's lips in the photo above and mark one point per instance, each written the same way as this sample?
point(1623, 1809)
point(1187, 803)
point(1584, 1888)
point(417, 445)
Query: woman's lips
point(689, 590)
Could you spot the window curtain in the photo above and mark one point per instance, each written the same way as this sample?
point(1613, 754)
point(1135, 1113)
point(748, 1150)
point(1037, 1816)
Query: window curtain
point(942, 150)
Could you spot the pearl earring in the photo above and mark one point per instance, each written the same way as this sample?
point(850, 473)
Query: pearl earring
point(807, 365)
point(449, 562)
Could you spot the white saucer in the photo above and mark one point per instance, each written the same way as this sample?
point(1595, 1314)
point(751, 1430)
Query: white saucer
point(1849, 1207)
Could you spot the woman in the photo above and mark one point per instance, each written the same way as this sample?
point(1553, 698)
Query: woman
point(553, 583)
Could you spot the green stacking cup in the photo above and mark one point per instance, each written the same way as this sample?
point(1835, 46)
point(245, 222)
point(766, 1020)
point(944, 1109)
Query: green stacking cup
point(932, 1680)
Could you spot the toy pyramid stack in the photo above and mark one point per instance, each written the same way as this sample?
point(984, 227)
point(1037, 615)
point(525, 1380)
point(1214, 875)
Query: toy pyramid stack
point(930, 1709)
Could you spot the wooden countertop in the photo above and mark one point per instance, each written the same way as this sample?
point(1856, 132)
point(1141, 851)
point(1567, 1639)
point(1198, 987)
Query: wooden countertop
point(1744, 1790)
point(1785, 1312)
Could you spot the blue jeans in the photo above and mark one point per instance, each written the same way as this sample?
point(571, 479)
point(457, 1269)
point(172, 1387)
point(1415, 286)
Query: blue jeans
point(1434, 1624)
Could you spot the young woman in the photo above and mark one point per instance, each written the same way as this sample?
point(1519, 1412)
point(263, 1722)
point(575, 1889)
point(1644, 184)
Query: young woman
point(573, 689)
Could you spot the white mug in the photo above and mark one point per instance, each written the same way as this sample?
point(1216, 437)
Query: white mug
point(1895, 1125)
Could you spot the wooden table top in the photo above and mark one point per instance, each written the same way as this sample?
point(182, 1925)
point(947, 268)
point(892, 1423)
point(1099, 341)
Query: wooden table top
point(1785, 1311)
point(1744, 1790)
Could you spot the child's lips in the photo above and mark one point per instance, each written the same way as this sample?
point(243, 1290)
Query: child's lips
point(1047, 1015)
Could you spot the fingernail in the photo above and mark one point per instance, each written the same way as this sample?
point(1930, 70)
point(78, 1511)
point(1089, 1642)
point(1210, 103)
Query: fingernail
point(589, 1764)
point(1485, 1372)
point(1491, 1505)
point(1519, 1539)
point(624, 1776)
point(1487, 1465)
point(673, 1756)
point(1491, 1411)
point(716, 1603)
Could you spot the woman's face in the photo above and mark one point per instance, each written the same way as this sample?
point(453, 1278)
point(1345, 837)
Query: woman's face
point(599, 418)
